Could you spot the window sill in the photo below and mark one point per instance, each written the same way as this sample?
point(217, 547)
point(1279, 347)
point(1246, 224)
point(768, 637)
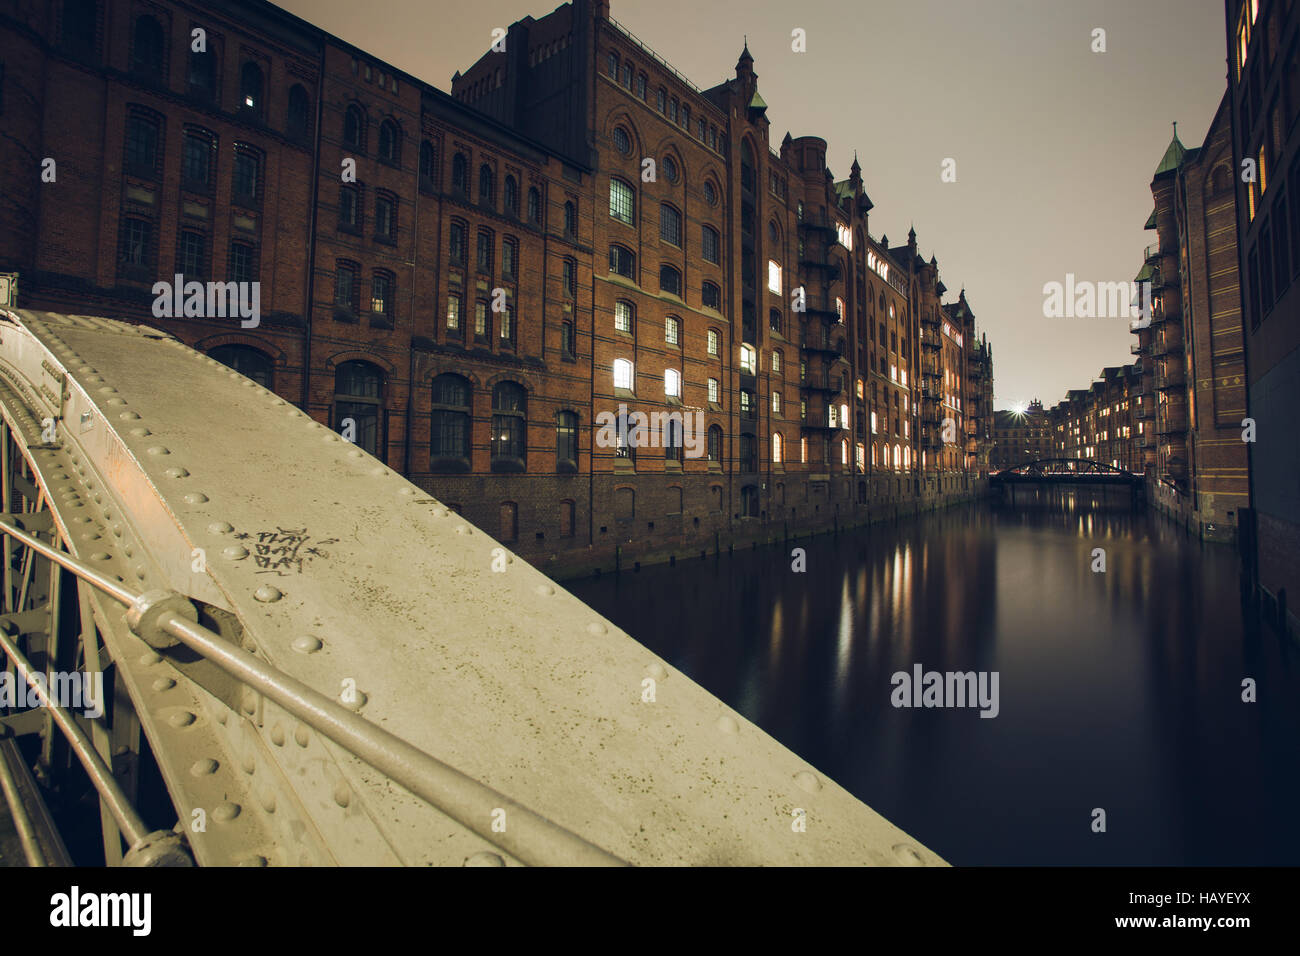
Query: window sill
point(508, 466)
point(449, 466)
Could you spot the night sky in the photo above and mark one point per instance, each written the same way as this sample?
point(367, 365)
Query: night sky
point(1055, 145)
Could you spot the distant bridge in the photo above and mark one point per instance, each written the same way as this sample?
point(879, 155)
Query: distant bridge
point(1065, 471)
point(307, 659)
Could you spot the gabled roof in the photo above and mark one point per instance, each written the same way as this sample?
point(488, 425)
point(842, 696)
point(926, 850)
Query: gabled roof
point(1173, 155)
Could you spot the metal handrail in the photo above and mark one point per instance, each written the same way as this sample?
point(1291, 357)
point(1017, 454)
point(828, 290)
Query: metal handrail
point(540, 842)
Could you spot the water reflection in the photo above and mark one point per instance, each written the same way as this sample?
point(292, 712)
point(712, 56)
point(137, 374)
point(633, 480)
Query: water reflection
point(1119, 690)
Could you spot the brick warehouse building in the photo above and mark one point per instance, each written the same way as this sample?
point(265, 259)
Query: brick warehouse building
point(1100, 423)
point(575, 228)
point(1263, 41)
point(1191, 350)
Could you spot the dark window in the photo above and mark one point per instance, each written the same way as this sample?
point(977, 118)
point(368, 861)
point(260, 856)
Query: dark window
point(381, 295)
point(711, 295)
point(297, 120)
point(715, 443)
point(509, 257)
point(673, 442)
point(80, 18)
point(566, 517)
point(136, 252)
point(457, 245)
point(358, 393)
point(622, 142)
point(774, 320)
point(247, 361)
point(197, 155)
point(428, 166)
point(202, 78)
point(612, 65)
point(390, 143)
point(1281, 245)
point(570, 277)
point(484, 251)
point(710, 194)
point(242, 266)
point(622, 261)
point(459, 174)
point(640, 86)
point(250, 88)
point(670, 169)
point(147, 49)
point(349, 208)
point(509, 412)
point(142, 136)
point(748, 459)
point(711, 245)
point(346, 292)
point(1266, 267)
point(385, 217)
point(570, 219)
point(566, 439)
point(192, 255)
point(661, 99)
point(486, 187)
point(247, 173)
point(670, 225)
point(567, 344)
point(670, 280)
point(450, 435)
point(534, 205)
point(510, 195)
point(354, 127)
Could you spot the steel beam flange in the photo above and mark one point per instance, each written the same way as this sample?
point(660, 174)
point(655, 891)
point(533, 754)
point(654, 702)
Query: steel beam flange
point(160, 848)
point(149, 608)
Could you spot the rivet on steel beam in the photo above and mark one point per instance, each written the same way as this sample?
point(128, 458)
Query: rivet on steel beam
point(727, 724)
point(406, 491)
point(196, 498)
point(907, 855)
point(220, 527)
point(807, 781)
point(176, 472)
point(463, 529)
point(301, 735)
point(158, 450)
point(116, 401)
point(163, 683)
point(203, 768)
point(353, 699)
point(484, 858)
point(596, 629)
point(101, 556)
point(160, 848)
point(277, 735)
point(141, 432)
point(267, 594)
point(107, 390)
point(657, 671)
point(267, 800)
point(307, 644)
point(150, 657)
point(254, 860)
point(342, 794)
point(248, 764)
point(545, 590)
point(235, 552)
point(226, 812)
point(129, 416)
point(182, 718)
point(248, 702)
point(149, 608)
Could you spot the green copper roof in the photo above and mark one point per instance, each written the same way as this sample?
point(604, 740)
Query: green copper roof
point(1173, 155)
point(1151, 220)
point(1144, 274)
point(757, 102)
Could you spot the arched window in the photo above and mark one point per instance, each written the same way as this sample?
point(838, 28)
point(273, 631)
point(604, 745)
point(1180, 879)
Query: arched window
point(748, 360)
point(247, 361)
point(147, 49)
point(777, 448)
point(715, 443)
point(623, 374)
point(622, 142)
point(622, 202)
point(622, 261)
point(449, 438)
point(509, 416)
point(510, 195)
point(844, 451)
point(534, 205)
point(390, 143)
point(202, 76)
point(671, 172)
point(570, 220)
point(711, 295)
point(711, 245)
point(459, 174)
point(358, 397)
point(748, 454)
point(670, 224)
point(898, 458)
point(670, 280)
point(672, 383)
point(250, 88)
point(672, 440)
point(774, 320)
point(486, 185)
point(354, 127)
point(428, 166)
point(80, 19)
point(710, 193)
point(566, 441)
point(297, 119)
point(747, 175)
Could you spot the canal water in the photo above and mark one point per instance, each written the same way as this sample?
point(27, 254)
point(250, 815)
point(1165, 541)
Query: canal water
point(1119, 690)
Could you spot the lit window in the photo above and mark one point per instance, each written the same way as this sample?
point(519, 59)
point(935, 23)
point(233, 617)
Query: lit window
point(844, 235)
point(672, 383)
point(893, 373)
point(713, 391)
point(844, 416)
point(622, 201)
point(777, 449)
point(622, 317)
point(844, 452)
point(839, 308)
point(773, 276)
point(623, 374)
point(748, 360)
point(776, 403)
point(873, 425)
point(776, 361)
point(803, 450)
point(672, 330)
point(713, 342)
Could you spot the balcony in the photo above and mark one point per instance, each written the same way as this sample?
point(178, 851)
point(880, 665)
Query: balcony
point(1164, 348)
point(931, 341)
point(1151, 253)
point(823, 345)
point(822, 383)
point(1170, 378)
point(812, 220)
point(1172, 424)
point(1137, 348)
